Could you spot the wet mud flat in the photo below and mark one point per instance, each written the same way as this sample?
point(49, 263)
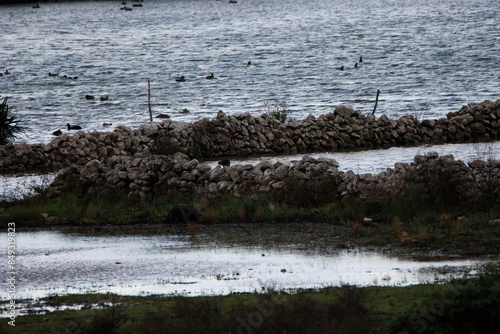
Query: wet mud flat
point(144, 260)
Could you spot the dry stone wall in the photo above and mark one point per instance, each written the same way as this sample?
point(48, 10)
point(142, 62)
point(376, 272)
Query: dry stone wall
point(240, 135)
point(143, 176)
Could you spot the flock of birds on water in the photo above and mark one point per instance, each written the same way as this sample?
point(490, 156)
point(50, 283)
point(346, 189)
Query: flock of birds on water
point(181, 78)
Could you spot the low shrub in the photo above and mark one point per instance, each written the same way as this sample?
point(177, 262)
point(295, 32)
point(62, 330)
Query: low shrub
point(278, 110)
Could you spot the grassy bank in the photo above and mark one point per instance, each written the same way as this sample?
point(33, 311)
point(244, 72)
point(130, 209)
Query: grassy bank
point(464, 305)
point(413, 221)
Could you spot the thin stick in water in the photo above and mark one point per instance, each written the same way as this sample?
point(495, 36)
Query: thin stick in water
point(149, 103)
point(376, 101)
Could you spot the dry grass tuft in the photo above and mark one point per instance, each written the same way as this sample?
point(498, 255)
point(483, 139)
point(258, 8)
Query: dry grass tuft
point(308, 227)
point(91, 211)
point(257, 216)
point(462, 223)
point(405, 239)
point(397, 225)
point(192, 228)
point(241, 214)
point(445, 220)
point(356, 228)
point(210, 216)
point(426, 237)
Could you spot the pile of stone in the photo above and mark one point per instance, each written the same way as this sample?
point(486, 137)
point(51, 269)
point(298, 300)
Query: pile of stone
point(142, 176)
point(244, 134)
point(78, 149)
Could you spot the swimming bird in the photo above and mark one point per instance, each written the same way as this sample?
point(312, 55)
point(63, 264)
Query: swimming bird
point(341, 68)
point(180, 79)
point(211, 76)
point(184, 111)
point(360, 59)
point(89, 97)
point(69, 78)
point(73, 127)
point(249, 63)
point(57, 133)
point(163, 116)
point(1, 74)
point(356, 65)
point(53, 74)
point(107, 124)
point(6, 72)
point(104, 98)
point(225, 162)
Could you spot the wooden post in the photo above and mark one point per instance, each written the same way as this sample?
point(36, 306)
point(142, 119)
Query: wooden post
point(376, 101)
point(149, 103)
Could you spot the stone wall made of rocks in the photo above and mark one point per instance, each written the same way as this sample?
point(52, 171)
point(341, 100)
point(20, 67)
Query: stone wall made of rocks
point(141, 177)
point(243, 134)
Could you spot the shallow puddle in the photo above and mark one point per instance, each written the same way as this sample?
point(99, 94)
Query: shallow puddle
point(159, 260)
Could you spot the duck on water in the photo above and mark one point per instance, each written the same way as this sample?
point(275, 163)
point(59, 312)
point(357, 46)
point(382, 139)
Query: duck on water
point(74, 127)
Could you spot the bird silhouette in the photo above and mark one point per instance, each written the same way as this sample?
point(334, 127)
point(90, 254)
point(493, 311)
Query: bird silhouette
point(73, 127)
point(225, 162)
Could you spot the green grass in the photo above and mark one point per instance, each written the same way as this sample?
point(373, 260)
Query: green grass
point(469, 303)
point(416, 213)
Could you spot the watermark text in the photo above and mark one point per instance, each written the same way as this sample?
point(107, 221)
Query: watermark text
point(11, 274)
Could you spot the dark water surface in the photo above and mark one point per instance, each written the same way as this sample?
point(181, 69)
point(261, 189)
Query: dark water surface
point(427, 58)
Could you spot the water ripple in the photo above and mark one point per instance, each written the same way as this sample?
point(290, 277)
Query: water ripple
point(427, 58)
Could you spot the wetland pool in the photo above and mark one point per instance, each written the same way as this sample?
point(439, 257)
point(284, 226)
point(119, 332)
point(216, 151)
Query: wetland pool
point(218, 260)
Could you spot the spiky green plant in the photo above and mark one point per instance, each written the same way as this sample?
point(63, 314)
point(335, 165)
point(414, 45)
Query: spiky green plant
point(9, 125)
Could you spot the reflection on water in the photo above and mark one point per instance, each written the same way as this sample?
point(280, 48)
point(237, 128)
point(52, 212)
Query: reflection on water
point(13, 187)
point(161, 260)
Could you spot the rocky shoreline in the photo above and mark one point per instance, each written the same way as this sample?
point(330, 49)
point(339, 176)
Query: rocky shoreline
point(243, 135)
